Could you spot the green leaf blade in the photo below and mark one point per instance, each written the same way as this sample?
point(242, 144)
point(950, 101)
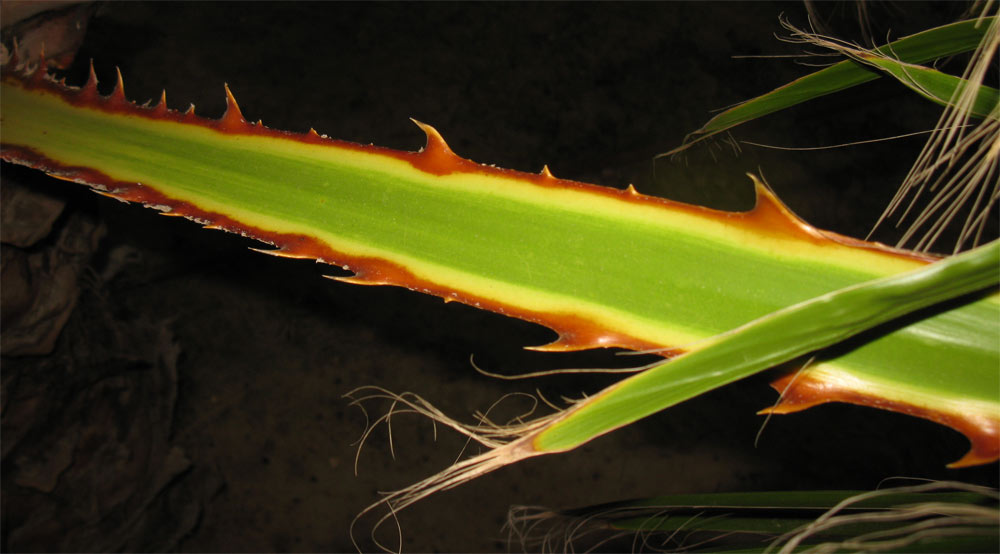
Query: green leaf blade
point(601, 267)
point(943, 41)
point(775, 339)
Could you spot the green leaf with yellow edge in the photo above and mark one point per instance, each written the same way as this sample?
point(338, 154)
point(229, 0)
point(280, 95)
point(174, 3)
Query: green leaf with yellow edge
point(601, 267)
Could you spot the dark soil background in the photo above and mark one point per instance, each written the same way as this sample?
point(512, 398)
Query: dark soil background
point(243, 359)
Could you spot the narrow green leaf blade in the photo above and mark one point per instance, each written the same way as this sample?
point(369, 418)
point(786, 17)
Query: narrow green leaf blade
point(938, 87)
point(772, 340)
point(939, 42)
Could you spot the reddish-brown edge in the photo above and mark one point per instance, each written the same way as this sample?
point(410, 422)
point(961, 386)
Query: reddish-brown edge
point(807, 390)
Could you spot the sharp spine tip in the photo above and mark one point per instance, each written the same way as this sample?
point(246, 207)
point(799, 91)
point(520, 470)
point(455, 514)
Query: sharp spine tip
point(561, 344)
point(233, 118)
point(356, 279)
point(38, 75)
point(91, 84)
point(435, 142)
point(118, 94)
point(161, 105)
